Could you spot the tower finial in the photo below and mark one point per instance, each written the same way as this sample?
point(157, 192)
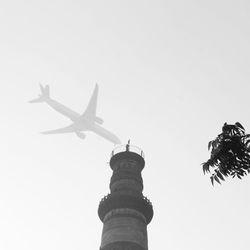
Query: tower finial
point(127, 145)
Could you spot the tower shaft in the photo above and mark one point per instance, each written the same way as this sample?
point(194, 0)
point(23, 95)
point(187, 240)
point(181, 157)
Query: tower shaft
point(125, 212)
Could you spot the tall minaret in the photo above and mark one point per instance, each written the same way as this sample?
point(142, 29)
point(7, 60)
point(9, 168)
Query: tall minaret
point(125, 212)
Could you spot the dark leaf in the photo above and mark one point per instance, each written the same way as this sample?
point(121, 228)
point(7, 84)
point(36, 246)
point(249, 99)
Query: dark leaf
point(205, 167)
point(212, 179)
point(239, 125)
point(220, 175)
point(210, 144)
point(217, 179)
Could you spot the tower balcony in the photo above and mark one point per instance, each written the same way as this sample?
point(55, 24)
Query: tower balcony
point(115, 201)
point(127, 152)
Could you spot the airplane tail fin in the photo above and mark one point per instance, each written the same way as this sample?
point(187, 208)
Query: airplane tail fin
point(43, 96)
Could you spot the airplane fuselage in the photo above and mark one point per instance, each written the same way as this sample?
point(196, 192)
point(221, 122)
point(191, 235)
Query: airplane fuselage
point(72, 115)
point(82, 123)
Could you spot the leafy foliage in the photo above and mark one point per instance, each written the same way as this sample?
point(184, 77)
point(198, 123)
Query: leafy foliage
point(230, 154)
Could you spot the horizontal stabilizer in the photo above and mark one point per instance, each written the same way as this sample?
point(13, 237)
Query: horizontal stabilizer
point(43, 96)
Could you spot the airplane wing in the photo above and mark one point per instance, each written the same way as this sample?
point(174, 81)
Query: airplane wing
point(67, 129)
point(90, 111)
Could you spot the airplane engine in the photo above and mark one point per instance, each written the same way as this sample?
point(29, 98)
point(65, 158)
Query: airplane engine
point(81, 135)
point(99, 120)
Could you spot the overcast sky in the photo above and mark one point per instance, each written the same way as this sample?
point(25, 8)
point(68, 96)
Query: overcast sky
point(170, 73)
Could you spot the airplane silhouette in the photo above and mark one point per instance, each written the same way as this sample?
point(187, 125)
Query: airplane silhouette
point(88, 121)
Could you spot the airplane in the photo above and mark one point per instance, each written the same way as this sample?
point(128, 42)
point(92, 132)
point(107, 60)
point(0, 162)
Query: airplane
point(88, 121)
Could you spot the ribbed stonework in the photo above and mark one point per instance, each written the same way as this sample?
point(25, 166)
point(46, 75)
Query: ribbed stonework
point(125, 212)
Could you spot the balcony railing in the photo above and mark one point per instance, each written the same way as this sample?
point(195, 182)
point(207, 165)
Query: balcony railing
point(129, 148)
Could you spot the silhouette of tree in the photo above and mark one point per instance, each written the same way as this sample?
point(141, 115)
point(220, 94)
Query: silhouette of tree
point(230, 154)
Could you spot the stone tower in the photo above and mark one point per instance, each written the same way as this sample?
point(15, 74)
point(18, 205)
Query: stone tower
point(125, 212)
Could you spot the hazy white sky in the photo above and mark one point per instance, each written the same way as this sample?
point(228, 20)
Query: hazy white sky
point(170, 74)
